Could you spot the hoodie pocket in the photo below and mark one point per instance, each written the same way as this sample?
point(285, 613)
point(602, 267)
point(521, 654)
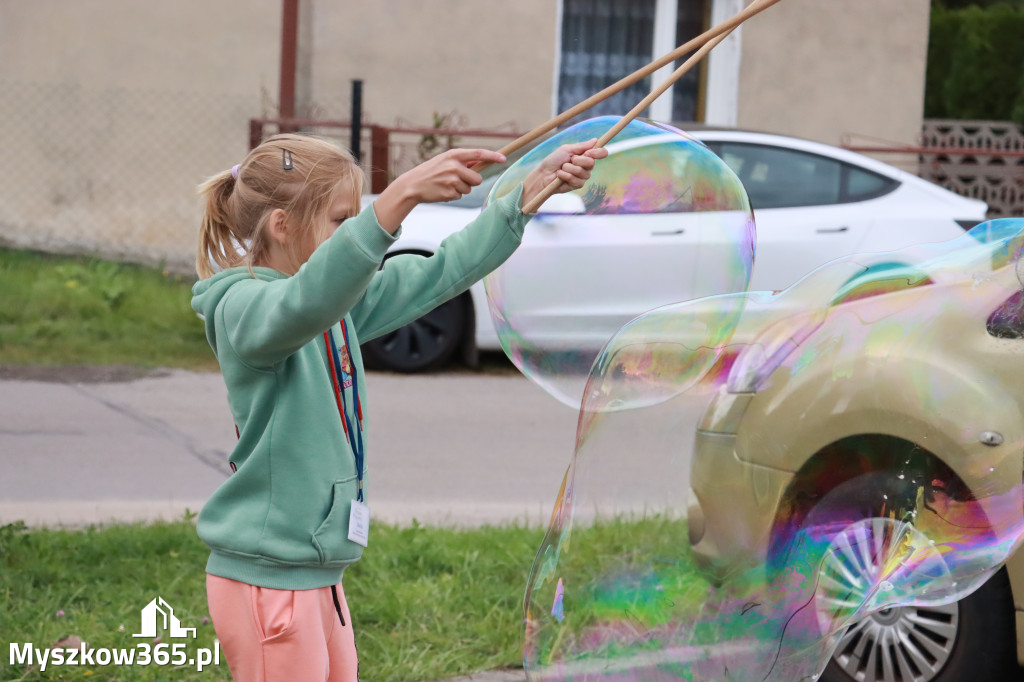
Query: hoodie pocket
point(331, 538)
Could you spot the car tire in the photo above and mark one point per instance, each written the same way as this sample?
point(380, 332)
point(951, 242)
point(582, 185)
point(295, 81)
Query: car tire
point(981, 645)
point(983, 648)
point(422, 345)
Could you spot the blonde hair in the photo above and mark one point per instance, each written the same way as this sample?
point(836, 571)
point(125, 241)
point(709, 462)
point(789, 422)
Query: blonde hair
point(233, 231)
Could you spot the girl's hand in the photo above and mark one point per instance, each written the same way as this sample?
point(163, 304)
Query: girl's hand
point(445, 177)
point(570, 163)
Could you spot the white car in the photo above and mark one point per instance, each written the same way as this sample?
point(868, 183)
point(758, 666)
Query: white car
point(812, 203)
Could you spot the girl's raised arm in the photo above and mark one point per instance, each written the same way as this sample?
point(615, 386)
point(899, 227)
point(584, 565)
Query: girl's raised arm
point(445, 177)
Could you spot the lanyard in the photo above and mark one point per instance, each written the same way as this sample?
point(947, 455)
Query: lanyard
point(355, 442)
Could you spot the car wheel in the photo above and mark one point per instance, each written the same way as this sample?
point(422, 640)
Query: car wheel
point(974, 638)
point(422, 345)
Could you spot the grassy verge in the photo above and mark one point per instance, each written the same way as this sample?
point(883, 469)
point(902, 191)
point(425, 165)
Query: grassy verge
point(427, 603)
point(66, 310)
point(62, 310)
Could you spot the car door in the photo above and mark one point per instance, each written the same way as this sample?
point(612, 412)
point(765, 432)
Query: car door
point(809, 209)
point(578, 278)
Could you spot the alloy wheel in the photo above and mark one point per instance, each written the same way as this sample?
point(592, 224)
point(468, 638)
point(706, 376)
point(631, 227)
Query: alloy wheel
point(893, 643)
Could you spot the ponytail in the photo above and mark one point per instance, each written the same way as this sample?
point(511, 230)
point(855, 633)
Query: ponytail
point(238, 202)
point(217, 243)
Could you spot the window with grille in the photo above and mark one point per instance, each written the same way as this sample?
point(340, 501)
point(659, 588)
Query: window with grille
point(606, 40)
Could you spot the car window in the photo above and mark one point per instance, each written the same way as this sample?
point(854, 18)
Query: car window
point(1007, 321)
point(861, 184)
point(775, 177)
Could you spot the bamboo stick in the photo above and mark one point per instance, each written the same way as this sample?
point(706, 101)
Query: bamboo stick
point(546, 193)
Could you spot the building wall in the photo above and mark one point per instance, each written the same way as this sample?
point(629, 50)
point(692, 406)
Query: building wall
point(823, 68)
point(492, 61)
point(116, 109)
point(812, 68)
point(173, 45)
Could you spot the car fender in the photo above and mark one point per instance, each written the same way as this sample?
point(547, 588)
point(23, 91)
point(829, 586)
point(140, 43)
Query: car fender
point(794, 419)
point(796, 434)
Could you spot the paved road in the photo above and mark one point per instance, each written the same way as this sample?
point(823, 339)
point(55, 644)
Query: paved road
point(456, 448)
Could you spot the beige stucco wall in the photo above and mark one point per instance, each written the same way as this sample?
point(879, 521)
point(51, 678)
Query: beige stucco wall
point(490, 60)
point(824, 68)
point(183, 45)
point(116, 109)
point(813, 68)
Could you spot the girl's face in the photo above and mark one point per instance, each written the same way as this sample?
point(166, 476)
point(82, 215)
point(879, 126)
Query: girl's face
point(342, 207)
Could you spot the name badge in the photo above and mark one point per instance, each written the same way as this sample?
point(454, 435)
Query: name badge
point(359, 523)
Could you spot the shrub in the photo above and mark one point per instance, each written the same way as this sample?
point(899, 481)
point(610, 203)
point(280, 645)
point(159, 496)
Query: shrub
point(976, 63)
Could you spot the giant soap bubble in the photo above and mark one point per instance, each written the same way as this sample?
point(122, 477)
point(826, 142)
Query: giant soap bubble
point(661, 220)
point(837, 484)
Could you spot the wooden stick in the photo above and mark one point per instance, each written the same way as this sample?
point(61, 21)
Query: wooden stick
point(755, 8)
point(546, 193)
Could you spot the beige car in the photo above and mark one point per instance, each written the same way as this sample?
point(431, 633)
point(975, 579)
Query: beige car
point(900, 397)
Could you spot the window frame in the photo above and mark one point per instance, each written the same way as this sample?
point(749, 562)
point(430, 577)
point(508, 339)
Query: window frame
point(665, 34)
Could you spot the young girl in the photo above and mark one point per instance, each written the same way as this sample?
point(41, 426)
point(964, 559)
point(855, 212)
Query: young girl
point(283, 318)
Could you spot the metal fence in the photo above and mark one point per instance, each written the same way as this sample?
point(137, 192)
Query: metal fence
point(388, 151)
point(980, 159)
point(113, 172)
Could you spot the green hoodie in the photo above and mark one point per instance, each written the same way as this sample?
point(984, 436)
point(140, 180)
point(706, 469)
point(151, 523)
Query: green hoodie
point(281, 520)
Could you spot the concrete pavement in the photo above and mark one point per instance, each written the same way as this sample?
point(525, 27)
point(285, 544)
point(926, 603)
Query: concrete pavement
point(86, 446)
point(457, 448)
point(492, 676)
point(80, 446)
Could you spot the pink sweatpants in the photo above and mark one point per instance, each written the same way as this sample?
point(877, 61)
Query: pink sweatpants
point(269, 635)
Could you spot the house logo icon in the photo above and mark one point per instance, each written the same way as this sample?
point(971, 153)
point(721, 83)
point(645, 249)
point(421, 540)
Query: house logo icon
point(171, 622)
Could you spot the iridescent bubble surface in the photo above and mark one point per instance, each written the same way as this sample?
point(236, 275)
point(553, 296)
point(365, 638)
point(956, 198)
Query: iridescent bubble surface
point(661, 220)
point(826, 481)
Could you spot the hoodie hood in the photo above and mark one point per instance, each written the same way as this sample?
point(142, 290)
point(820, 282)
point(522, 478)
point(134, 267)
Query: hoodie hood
point(208, 293)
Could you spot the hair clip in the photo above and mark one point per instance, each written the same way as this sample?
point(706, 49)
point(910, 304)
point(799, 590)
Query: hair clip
point(234, 170)
point(286, 159)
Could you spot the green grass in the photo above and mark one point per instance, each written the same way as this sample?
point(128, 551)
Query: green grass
point(57, 310)
point(64, 310)
point(633, 575)
point(427, 603)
